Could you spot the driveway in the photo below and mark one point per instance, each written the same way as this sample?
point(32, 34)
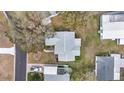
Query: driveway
point(31, 65)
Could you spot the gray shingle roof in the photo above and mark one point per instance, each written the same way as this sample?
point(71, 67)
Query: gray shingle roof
point(66, 46)
point(105, 68)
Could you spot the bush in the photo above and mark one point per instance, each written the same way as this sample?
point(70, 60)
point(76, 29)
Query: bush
point(32, 76)
point(77, 58)
point(103, 54)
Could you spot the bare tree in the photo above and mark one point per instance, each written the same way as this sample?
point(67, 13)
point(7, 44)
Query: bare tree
point(28, 31)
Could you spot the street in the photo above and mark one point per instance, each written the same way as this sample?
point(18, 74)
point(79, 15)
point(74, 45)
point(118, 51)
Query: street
point(20, 65)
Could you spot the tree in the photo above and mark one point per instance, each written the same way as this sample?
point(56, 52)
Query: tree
point(76, 20)
point(73, 20)
point(28, 30)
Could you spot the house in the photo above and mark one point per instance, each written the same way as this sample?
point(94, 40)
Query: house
point(66, 46)
point(108, 67)
point(56, 73)
point(112, 26)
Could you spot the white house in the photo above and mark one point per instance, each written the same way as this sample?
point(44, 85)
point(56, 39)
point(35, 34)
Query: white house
point(112, 27)
point(66, 46)
point(56, 73)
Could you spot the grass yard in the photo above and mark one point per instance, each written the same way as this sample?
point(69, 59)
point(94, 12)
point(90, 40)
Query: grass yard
point(41, 58)
point(6, 67)
point(91, 46)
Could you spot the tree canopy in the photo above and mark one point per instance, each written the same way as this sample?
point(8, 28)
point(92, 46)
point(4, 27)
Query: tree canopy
point(28, 30)
point(75, 20)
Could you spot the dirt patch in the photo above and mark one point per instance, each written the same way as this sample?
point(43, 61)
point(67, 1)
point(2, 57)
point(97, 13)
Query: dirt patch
point(4, 42)
point(41, 58)
point(90, 51)
point(57, 22)
point(6, 67)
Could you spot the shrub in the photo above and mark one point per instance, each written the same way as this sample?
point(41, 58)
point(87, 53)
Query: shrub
point(33, 76)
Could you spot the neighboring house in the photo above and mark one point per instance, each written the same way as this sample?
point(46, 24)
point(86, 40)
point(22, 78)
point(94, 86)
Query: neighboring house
point(56, 73)
point(108, 67)
point(66, 46)
point(112, 26)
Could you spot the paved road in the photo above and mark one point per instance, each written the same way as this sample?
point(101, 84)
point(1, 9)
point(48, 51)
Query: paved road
point(20, 61)
point(20, 65)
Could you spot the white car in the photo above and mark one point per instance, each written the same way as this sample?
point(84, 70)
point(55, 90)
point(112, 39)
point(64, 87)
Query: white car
point(36, 68)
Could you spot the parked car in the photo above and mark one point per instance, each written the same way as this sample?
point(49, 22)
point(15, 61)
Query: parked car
point(36, 68)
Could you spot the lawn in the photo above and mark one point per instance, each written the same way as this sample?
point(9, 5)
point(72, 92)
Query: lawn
point(91, 46)
point(41, 58)
point(6, 67)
